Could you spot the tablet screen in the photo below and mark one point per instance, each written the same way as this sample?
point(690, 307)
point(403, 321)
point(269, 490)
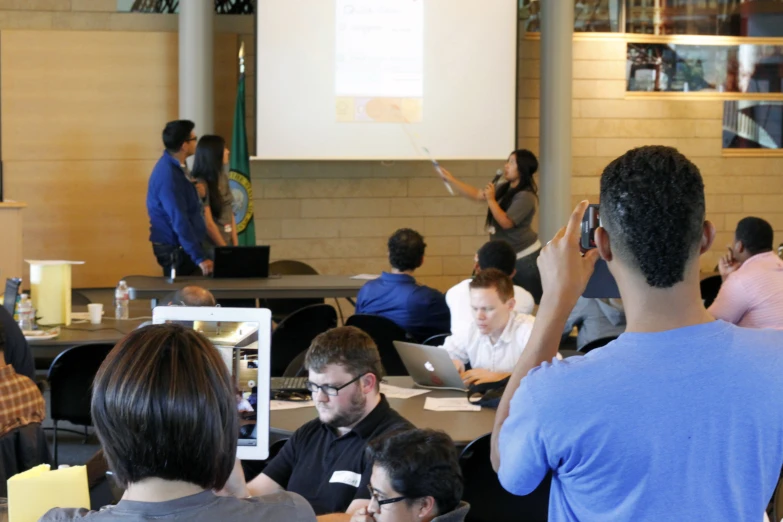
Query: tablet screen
point(237, 342)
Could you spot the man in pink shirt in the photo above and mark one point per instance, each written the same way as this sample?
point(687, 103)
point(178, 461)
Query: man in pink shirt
point(751, 294)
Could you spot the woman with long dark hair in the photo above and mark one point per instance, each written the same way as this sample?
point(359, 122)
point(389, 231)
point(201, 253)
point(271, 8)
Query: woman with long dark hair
point(511, 205)
point(209, 172)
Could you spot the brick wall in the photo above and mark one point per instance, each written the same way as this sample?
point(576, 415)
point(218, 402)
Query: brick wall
point(338, 215)
point(605, 125)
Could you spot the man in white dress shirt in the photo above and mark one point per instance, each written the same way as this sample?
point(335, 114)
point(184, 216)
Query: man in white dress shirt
point(496, 336)
point(493, 254)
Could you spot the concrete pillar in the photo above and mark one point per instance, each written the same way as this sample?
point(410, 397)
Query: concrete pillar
point(196, 80)
point(557, 27)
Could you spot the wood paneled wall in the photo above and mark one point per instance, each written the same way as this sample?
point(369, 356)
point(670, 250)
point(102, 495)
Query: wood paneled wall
point(82, 113)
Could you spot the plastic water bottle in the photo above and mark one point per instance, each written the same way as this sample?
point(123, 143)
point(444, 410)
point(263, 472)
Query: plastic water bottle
point(121, 301)
point(26, 314)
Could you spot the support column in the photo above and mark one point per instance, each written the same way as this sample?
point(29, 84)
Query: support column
point(557, 27)
point(196, 37)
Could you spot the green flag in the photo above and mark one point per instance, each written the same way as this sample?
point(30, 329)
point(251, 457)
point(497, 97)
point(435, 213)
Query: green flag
point(239, 175)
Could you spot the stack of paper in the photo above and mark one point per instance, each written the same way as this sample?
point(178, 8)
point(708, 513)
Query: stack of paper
point(395, 392)
point(32, 493)
point(450, 404)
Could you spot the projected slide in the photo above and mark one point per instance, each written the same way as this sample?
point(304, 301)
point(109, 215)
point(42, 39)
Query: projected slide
point(379, 60)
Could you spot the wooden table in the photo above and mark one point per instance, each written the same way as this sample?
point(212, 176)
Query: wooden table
point(109, 331)
point(462, 426)
point(287, 286)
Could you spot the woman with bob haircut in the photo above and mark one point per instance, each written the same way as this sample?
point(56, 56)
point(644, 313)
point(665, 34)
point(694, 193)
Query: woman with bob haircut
point(164, 410)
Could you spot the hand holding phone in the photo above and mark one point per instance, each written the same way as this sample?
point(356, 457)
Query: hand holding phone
point(590, 221)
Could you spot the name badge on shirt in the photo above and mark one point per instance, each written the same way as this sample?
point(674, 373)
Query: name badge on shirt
point(228, 228)
point(346, 477)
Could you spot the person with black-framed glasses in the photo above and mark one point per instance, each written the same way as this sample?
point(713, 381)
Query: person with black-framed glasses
point(415, 477)
point(324, 460)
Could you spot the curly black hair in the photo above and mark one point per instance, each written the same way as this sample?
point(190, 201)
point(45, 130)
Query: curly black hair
point(652, 206)
point(406, 249)
point(756, 235)
point(420, 463)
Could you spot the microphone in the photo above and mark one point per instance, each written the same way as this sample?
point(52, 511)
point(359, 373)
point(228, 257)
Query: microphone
point(498, 174)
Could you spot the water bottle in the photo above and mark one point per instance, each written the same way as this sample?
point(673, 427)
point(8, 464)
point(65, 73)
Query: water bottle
point(121, 301)
point(26, 314)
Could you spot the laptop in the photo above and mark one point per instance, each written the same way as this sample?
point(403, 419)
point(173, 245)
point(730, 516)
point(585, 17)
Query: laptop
point(11, 291)
point(241, 262)
point(289, 384)
point(429, 366)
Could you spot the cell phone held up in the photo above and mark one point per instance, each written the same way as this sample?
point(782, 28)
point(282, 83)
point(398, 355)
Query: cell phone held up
point(590, 221)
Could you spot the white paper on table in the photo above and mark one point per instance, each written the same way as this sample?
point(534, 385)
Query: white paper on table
point(366, 277)
point(395, 392)
point(289, 405)
point(450, 404)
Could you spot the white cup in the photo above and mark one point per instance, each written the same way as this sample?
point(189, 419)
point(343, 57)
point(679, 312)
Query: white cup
point(96, 312)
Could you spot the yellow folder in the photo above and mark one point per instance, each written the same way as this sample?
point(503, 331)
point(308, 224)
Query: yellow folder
point(32, 493)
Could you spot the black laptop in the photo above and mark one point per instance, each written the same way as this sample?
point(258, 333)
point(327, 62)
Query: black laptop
point(241, 262)
point(11, 291)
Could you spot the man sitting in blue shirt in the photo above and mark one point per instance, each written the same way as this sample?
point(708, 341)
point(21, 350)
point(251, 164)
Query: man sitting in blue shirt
point(418, 309)
point(177, 228)
point(680, 418)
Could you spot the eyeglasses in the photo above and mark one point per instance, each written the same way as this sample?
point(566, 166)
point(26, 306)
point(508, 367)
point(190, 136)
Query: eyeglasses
point(194, 138)
point(374, 496)
point(328, 389)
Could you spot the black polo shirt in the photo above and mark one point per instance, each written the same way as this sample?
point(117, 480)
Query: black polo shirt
point(328, 470)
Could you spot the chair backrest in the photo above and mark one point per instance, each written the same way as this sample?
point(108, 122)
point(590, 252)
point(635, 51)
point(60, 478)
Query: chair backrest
point(295, 333)
point(489, 502)
point(79, 299)
point(710, 286)
point(436, 340)
point(21, 449)
point(70, 381)
point(597, 343)
point(384, 332)
point(291, 267)
point(282, 307)
point(296, 367)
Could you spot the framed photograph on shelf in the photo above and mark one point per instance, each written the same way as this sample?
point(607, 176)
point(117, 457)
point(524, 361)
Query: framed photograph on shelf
point(681, 68)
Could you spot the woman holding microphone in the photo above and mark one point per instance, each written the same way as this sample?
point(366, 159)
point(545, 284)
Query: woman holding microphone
point(511, 200)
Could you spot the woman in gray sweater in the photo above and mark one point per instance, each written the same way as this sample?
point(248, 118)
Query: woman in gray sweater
point(511, 200)
point(164, 410)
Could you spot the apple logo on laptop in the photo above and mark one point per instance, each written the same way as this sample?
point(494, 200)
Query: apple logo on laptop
point(428, 365)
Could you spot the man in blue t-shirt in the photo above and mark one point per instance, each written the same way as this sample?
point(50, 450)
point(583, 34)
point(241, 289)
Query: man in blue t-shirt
point(680, 418)
point(177, 227)
point(420, 310)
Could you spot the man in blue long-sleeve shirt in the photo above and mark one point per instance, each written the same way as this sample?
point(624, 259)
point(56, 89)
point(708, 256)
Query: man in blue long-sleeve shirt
point(177, 227)
point(420, 310)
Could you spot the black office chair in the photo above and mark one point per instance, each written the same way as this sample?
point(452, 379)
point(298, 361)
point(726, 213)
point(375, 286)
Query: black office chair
point(597, 343)
point(79, 299)
point(489, 502)
point(384, 332)
point(21, 449)
point(296, 367)
point(295, 333)
point(283, 307)
point(436, 340)
point(710, 286)
point(70, 384)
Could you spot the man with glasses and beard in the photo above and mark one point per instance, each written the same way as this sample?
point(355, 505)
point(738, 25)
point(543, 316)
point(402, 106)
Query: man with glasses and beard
point(324, 460)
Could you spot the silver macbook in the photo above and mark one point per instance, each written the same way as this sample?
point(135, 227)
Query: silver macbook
point(429, 366)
